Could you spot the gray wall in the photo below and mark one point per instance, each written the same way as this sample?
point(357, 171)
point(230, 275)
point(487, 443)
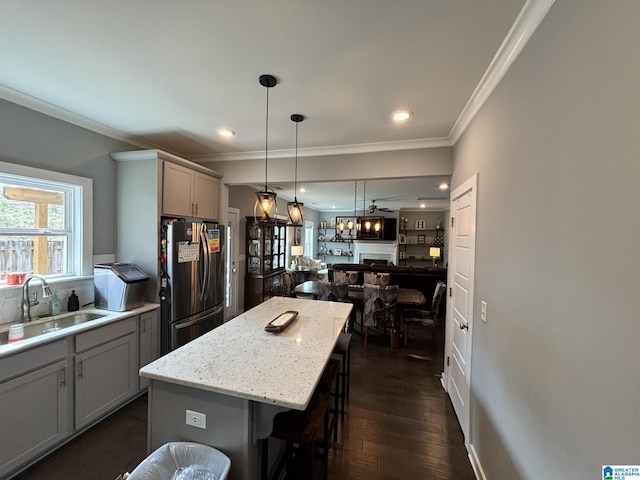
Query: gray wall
point(31, 138)
point(556, 370)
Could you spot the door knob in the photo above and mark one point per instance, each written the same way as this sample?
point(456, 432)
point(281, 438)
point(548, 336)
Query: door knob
point(464, 326)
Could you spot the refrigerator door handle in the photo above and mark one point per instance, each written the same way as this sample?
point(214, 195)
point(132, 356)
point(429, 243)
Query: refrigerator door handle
point(179, 325)
point(204, 238)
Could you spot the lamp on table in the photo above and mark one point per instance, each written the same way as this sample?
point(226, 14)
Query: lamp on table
point(296, 251)
point(434, 253)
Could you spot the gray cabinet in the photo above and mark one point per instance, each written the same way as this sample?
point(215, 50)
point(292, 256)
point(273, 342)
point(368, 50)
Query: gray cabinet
point(149, 342)
point(106, 369)
point(35, 390)
point(188, 193)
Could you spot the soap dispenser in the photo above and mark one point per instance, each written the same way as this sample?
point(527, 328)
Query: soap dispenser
point(74, 303)
point(54, 305)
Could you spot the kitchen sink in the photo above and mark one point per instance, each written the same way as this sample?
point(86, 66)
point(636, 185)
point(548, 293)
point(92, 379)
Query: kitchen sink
point(40, 327)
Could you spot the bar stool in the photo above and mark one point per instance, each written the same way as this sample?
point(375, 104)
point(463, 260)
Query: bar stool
point(343, 348)
point(306, 433)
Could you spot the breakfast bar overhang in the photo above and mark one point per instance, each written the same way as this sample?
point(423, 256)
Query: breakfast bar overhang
point(239, 377)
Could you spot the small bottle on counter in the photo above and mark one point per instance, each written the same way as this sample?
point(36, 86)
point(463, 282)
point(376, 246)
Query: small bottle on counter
point(54, 305)
point(74, 303)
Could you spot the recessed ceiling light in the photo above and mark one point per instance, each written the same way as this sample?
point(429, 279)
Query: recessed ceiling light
point(443, 186)
point(226, 132)
point(402, 115)
point(423, 205)
point(302, 190)
point(333, 206)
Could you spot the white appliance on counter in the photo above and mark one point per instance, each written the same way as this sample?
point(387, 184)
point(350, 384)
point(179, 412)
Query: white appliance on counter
point(192, 284)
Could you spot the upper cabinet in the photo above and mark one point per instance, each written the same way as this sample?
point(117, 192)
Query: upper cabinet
point(189, 193)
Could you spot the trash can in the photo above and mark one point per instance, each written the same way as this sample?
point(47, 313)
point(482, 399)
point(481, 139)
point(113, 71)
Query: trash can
point(197, 461)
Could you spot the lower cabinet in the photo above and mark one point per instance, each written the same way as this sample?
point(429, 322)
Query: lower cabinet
point(106, 369)
point(149, 342)
point(35, 403)
point(52, 391)
point(259, 288)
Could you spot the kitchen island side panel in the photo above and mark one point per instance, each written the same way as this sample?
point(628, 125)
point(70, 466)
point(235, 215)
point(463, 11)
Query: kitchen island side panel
point(233, 425)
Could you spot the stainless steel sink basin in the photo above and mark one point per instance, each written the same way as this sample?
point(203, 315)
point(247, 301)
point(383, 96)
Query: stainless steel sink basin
point(41, 327)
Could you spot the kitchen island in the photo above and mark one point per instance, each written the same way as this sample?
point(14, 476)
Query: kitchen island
point(236, 378)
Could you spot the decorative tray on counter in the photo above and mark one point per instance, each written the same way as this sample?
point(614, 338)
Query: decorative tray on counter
point(281, 322)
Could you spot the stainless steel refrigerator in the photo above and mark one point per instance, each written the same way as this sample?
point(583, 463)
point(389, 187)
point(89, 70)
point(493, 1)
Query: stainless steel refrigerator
point(192, 286)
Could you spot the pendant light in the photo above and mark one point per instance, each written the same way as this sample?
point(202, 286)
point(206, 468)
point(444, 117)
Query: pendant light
point(266, 198)
point(295, 208)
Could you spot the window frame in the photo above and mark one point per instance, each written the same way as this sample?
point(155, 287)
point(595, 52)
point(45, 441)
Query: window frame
point(80, 221)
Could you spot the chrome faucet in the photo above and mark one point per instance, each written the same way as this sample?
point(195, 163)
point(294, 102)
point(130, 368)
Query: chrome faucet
point(26, 302)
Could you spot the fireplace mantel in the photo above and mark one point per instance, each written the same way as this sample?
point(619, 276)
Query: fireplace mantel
point(375, 250)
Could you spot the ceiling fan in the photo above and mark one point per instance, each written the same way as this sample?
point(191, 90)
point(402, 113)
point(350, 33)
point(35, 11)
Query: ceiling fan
point(373, 207)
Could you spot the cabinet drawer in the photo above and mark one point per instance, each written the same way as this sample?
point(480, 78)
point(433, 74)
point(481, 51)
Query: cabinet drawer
point(105, 334)
point(29, 360)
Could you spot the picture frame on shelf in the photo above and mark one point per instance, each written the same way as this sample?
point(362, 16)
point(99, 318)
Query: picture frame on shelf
point(323, 224)
point(337, 251)
point(402, 238)
point(421, 239)
point(421, 224)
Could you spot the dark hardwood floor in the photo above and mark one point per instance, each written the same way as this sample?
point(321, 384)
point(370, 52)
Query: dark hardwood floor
point(399, 425)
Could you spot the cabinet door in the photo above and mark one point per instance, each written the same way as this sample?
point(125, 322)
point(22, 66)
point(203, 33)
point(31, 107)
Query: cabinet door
point(177, 197)
point(149, 342)
point(34, 415)
point(106, 376)
point(205, 198)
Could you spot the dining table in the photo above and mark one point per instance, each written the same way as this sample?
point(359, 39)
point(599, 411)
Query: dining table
point(407, 297)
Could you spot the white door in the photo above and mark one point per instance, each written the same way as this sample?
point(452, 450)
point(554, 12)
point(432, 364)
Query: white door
point(462, 239)
point(232, 291)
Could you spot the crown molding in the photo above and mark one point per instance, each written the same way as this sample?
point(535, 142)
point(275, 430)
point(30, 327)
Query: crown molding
point(527, 22)
point(330, 150)
point(15, 96)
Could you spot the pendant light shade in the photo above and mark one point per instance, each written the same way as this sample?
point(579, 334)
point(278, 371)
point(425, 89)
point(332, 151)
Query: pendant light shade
point(295, 208)
point(266, 201)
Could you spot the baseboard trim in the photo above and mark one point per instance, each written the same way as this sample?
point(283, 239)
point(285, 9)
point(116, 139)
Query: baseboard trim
point(475, 464)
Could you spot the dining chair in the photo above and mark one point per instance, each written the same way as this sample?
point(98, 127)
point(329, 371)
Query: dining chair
point(352, 277)
point(324, 290)
point(340, 276)
point(339, 292)
point(380, 304)
point(289, 283)
point(371, 278)
point(425, 318)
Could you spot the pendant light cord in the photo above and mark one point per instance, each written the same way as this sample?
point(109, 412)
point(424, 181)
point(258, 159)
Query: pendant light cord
point(295, 178)
point(266, 144)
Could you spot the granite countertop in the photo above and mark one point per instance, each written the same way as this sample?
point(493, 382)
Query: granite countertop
point(109, 316)
point(241, 359)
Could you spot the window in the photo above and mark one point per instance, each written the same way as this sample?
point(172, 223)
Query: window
point(45, 224)
point(309, 238)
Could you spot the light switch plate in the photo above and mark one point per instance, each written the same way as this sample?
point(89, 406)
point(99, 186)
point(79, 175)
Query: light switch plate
point(483, 311)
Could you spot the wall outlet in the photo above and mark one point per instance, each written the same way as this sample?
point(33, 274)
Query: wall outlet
point(196, 419)
point(483, 311)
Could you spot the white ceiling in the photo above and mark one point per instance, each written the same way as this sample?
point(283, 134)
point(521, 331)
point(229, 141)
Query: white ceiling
point(167, 74)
